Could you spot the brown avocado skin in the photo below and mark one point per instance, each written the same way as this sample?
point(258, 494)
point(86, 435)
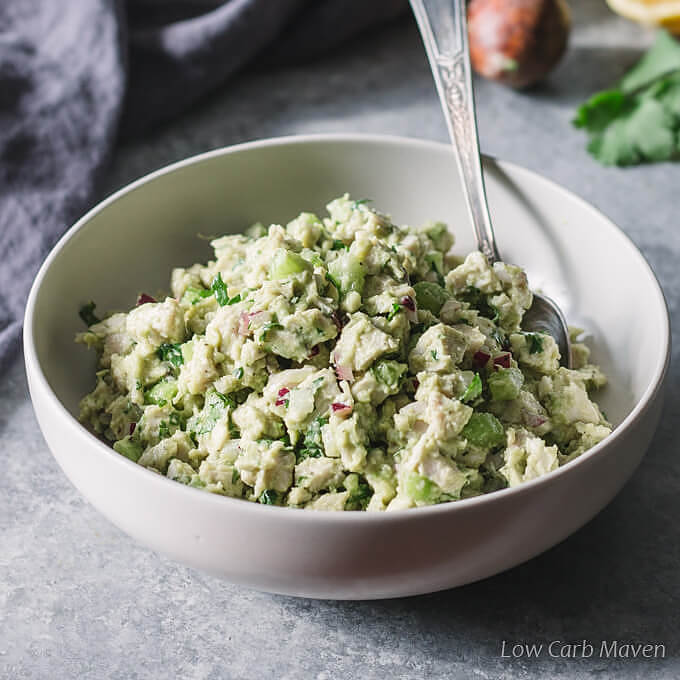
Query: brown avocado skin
point(517, 42)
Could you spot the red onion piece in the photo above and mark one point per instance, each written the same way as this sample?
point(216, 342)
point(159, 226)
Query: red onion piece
point(502, 360)
point(314, 351)
point(408, 302)
point(481, 358)
point(283, 391)
point(340, 407)
point(280, 402)
point(344, 372)
point(132, 428)
point(144, 298)
point(532, 419)
point(244, 322)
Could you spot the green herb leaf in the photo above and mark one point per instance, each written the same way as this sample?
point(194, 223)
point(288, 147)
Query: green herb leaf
point(214, 408)
point(396, 308)
point(219, 287)
point(163, 430)
point(473, 390)
point(535, 342)
point(171, 352)
point(195, 295)
point(312, 445)
point(268, 497)
point(638, 121)
point(87, 314)
point(476, 299)
point(269, 326)
point(338, 245)
point(360, 492)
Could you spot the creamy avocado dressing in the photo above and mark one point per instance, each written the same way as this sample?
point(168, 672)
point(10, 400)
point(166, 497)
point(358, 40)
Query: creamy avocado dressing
point(343, 363)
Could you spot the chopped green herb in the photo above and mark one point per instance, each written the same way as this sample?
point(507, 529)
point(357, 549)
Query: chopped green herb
point(434, 354)
point(163, 430)
point(361, 201)
point(268, 497)
point(213, 411)
point(238, 373)
point(219, 287)
point(235, 476)
point(234, 300)
point(195, 295)
point(87, 314)
point(171, 352)
point(396, 308)
point(473, 390)
point(269, 326)
point(476, 299)
point(360, 492)
point(312, 445)
point(338, 245)
point(535, 342)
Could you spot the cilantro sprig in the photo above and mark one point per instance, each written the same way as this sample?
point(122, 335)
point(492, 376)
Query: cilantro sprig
point(171, 352)
point(87, 314)
point(638, 121)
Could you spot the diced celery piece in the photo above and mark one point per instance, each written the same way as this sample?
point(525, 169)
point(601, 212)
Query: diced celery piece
point(128, 448)
point(285, 263)
point(347, 273)
point(422, 489)
point(430, 296)
point(162, 392)
point(505, 383)
point(485, 430)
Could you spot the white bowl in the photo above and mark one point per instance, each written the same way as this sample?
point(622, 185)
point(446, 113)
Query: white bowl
point(130, 242)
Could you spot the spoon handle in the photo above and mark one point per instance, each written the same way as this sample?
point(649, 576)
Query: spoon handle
point(443, 27)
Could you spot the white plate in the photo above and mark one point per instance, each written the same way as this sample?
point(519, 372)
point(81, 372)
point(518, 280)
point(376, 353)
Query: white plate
point(130, 242)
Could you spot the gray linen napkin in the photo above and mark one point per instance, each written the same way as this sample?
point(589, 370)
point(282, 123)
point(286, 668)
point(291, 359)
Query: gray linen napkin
point(76, 75)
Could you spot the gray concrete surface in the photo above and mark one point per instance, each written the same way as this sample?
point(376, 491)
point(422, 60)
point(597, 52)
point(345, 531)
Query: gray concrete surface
point(78, 599)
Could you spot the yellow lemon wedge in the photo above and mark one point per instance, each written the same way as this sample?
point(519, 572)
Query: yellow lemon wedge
point(664, 13)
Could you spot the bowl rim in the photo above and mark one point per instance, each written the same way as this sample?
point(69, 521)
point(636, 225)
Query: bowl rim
point(37, 376)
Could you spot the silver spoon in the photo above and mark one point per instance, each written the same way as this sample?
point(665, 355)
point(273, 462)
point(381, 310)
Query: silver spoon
point(443, 27)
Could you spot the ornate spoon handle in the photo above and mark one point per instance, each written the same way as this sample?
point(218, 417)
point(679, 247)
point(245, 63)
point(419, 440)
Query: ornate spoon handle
point(443, 26)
